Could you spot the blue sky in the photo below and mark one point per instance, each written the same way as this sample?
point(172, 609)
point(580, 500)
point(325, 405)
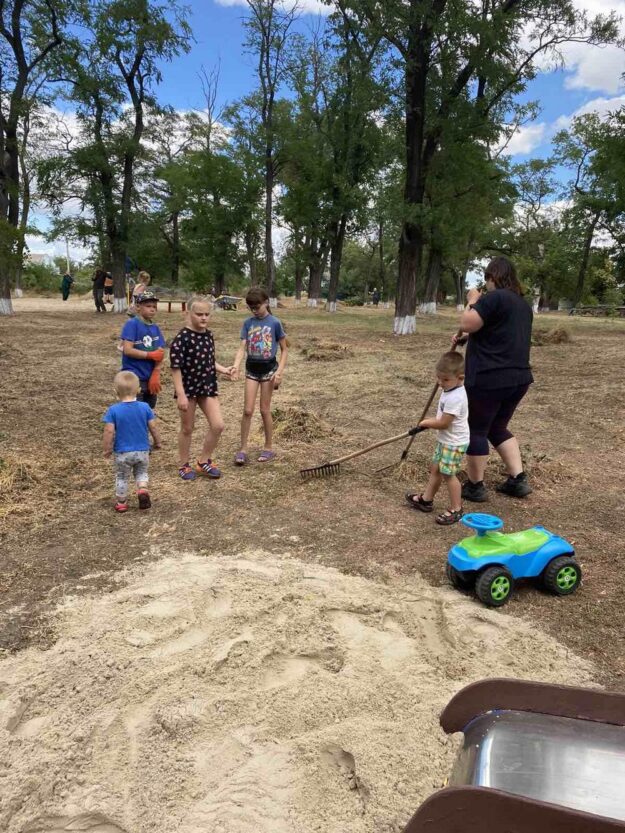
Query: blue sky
point(591, 79)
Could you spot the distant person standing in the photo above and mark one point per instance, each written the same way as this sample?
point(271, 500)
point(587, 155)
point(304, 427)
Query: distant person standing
point(98, 289)
point(143, 282)
point(66, 285)
point(108, 288)
point(375, 296)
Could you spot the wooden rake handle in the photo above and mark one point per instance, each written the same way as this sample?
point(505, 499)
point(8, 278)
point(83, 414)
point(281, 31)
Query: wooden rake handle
point(412, 431)
point(404, 453)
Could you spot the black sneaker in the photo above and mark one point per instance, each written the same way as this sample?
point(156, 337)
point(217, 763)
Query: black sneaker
point(515, 486)
point(474, 492)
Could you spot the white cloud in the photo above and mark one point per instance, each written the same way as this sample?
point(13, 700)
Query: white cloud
point(594, 67)
point(602, 106)
point(525, 139)
point(303, 6)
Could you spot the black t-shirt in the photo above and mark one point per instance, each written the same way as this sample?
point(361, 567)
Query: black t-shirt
point(498, 355)
point(193, 354)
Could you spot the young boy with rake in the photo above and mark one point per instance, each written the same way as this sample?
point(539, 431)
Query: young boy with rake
point(194, 373)
point(126, 428)
point(452, 424)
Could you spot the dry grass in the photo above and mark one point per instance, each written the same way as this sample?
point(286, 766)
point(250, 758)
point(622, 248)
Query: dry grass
point(298, 425)
point(558, 335)
point(17, 478)
point(326, 351)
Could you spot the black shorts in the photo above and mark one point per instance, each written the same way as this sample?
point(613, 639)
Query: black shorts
point(144, 396)
point(260, 371)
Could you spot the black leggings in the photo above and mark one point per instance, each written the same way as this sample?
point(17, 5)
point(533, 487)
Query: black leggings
point(490, 411)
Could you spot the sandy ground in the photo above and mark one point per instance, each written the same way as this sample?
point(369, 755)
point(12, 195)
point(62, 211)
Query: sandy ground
point(246, 693)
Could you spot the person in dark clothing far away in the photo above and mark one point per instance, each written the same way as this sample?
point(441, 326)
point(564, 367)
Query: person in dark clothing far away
point(498, 324)
point(98, 289)
point(66, 285)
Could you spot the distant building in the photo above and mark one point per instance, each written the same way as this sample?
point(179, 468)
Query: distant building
point(39, 259)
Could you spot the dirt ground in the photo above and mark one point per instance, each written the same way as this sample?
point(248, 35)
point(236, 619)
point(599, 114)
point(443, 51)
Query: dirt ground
point(349, 382)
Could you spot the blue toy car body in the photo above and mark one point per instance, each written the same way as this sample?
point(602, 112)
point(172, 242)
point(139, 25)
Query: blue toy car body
point(494, 560)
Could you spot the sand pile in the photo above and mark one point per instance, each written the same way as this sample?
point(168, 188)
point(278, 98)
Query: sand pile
point(248, 694)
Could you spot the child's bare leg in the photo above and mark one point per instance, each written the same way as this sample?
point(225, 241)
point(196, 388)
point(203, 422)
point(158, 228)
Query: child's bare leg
point(266, 392)
point(433, 484)
point(212, 411)
point(453, 489)
point(185, 436)
point(249, 403)
point(476, 466)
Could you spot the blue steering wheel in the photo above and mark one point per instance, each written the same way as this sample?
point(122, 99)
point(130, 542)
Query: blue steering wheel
point(481, 522)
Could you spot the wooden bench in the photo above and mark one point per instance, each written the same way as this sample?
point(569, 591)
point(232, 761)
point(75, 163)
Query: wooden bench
point(170, 301)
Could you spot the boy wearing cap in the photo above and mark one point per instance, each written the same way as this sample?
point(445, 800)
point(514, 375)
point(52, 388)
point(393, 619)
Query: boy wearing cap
point(143, 348)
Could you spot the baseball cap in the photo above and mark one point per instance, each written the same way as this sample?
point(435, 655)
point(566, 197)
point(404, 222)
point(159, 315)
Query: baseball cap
point(148, 295)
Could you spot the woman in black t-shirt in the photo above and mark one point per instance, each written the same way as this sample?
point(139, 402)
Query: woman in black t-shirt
point(497, 376)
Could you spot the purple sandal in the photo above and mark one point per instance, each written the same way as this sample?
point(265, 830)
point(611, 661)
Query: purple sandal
point(240, 458)
point(266, 456)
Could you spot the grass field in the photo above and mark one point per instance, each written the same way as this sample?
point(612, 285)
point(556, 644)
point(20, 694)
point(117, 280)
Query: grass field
point(349, 382)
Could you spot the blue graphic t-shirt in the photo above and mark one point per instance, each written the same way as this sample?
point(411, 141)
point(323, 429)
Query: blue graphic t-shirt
point(146, 337)
point(263, 337)
point(131, 425)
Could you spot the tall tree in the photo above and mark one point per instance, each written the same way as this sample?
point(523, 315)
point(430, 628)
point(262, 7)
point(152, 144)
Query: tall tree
point(444, 47)
point(268, 26)
point(29, 33)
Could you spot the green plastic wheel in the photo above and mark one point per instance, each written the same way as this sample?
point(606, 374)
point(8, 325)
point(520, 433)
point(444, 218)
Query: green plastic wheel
point(460, 580)
point(494, 586)
point(562, 575)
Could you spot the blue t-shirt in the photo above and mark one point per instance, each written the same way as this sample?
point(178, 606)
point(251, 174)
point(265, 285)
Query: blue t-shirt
point(263, 337)
point(131, 425)
point(146, 337)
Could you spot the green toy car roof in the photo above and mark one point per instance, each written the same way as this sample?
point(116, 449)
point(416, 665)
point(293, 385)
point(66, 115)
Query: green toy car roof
point(499, 543)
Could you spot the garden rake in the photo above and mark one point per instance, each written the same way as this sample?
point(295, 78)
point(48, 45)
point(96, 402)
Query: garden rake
point(428, 404)
point(334, 466)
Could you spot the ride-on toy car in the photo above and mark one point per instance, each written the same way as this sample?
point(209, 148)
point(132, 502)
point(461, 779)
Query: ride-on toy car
point(492, 561)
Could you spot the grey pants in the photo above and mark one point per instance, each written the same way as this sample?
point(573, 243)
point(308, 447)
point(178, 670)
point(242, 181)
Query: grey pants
point(127, 462)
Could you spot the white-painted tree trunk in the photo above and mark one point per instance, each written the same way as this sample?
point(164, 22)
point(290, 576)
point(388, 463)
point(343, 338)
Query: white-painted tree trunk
point(330, 306)
point(312, 302)
point(387, 305)
point(459, 307)
point(18, 292)
point(273, 302)
point(297, 302)
point(120, 305)
point(6, 307)
point(428, 308)
point(405, 325)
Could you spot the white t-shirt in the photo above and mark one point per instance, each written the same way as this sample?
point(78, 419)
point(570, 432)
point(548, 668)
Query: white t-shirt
point(454, 402)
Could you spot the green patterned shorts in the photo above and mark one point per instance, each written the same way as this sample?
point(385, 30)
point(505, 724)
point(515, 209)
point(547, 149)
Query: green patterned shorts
point(449, 458)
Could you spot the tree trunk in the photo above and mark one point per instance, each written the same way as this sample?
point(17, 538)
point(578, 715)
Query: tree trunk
point(299, 280)
point(175, 249)
point(581, 275)
point(251, 254)
point(336, 255)
point(433, 276)
point(9, 213)
point(381, 264)
point(269, 258)
point(317, 264)
point(118, 270)
point(220, 284)
point(410, 253)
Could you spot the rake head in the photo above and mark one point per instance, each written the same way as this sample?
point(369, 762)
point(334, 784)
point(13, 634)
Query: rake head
point(324, 470)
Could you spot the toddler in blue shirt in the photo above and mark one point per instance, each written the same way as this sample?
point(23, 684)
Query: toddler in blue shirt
point(127, 426)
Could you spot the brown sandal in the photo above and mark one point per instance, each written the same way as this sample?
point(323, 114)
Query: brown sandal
point(449, 517)
point(415, 499)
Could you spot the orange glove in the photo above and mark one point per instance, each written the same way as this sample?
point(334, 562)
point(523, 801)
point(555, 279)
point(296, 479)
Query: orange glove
point(154, 382)
point(156, 355)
